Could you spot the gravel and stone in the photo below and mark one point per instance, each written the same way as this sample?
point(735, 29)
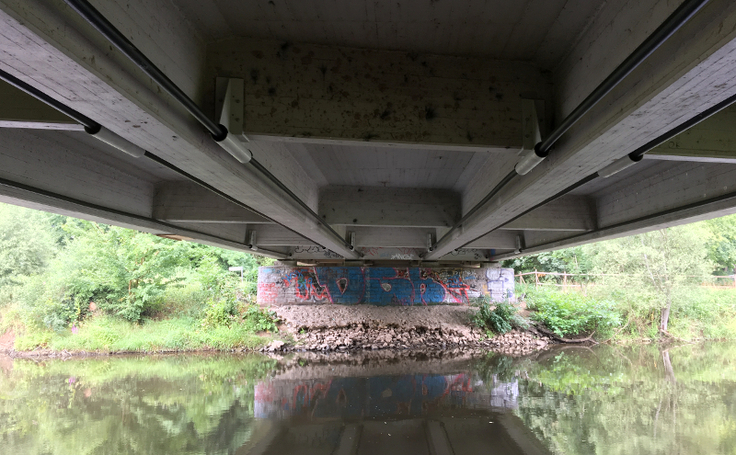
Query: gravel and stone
point(342, 328)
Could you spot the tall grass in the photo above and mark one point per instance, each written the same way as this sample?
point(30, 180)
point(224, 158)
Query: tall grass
point(109, 334)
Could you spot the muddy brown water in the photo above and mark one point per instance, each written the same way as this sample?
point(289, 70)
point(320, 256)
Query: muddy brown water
point(571, 400)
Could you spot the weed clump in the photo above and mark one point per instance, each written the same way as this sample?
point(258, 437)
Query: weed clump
point(498, 317)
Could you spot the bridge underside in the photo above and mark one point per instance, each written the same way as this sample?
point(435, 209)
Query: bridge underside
point(389, 122)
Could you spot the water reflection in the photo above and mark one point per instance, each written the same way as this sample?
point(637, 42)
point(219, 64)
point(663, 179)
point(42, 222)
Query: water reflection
point(576, 401)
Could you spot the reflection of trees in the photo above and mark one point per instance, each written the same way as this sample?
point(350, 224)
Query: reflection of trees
point(633, 401)
point(83, 407)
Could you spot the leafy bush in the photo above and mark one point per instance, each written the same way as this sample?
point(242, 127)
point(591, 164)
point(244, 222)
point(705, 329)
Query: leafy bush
point(220, 312)
point(499, 317)
point(257, 319)
point(573, 313)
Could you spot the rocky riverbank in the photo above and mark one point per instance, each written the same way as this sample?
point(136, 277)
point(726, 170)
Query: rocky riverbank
point(329, 328)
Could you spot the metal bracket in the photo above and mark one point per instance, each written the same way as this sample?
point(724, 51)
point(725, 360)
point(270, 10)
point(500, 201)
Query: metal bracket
point(230, 105)
point(531, 126)
point(252, 241)
point(519, 244)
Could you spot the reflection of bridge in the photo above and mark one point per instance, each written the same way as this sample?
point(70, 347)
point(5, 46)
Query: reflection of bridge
point(405, 414)
point(366, 132)
point(480, 434)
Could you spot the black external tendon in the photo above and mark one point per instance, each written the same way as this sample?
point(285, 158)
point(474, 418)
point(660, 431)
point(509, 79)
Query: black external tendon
point(681, 15)
point(218, 131)
point(93, 127)
point(98, 21)
point(675, 20)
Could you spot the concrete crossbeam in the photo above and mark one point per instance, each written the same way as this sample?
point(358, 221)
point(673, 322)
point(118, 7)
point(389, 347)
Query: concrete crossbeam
point(378, 206)
point(391, 236)
point(337, 93)
point(189, 202)
point(63, 206)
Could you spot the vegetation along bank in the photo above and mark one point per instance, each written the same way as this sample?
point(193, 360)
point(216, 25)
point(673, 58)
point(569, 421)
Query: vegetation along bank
point(68, 285)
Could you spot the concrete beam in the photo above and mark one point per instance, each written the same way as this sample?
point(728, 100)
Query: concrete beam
point(497, 240)
point(378, 206)
point(662, 187)
point(47, 45)
point(58, 163)
point(273, 235)
point(189, 202)
point(19, 110)
point(339, 93)
point(659, 95)
point(42, 200)
point(391, 236)
point(711, 141)
point(663, 195)
point(568, 213)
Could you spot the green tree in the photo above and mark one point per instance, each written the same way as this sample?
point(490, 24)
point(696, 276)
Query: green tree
point(722, 242)
point(25, 244)
point(652, 271)
point(570, 260)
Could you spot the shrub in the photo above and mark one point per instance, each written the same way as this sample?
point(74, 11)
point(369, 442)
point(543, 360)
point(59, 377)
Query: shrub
point(220, 312)
point(500, 317)
point(573, 313)
point(257, 319)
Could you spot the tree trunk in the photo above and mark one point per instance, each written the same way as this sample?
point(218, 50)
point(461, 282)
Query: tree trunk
point(665, 317)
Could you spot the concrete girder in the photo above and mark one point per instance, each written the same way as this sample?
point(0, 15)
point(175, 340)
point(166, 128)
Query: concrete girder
point(662, 195)
point(568, 213)
point(189, 202)
point(22, 111)
point(498, 240)
point(38, 200)
point(334, 93)
point(63, 165)
point(711, 141)
point(657, 96)
point(380, 206)
point(50, 47)
point(662, 187)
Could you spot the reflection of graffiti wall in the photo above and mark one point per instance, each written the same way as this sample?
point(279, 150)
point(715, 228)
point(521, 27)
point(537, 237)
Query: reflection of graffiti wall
point(380, 396)
point(381, 285)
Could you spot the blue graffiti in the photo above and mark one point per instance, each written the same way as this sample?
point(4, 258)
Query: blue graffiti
point(346, 285)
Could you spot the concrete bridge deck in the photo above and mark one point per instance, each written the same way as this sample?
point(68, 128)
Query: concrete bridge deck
point(375, 128)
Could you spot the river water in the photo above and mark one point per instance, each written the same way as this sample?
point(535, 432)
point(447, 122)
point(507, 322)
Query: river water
point(574, 400)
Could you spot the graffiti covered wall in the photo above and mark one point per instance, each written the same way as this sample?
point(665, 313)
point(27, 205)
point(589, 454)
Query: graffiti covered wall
point(382, 285)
